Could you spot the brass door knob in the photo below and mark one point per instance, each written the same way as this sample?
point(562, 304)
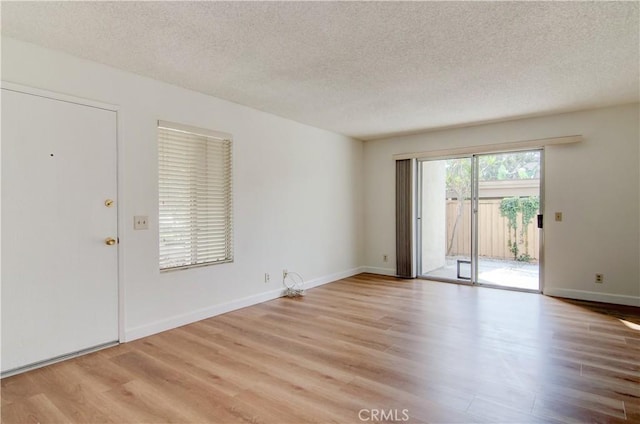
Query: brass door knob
point(110, 241)
point(108, 203)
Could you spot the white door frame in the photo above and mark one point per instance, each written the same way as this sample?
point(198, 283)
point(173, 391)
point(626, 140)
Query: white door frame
point(119, 175)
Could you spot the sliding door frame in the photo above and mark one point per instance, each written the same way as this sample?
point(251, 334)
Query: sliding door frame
point(474, 157)
point(419, 212)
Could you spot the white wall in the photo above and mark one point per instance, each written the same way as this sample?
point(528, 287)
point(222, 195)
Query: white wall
point(297, 191)
point(594, 183)
point(434, 206)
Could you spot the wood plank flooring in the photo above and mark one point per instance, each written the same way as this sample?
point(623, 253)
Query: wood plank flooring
point(363, 349)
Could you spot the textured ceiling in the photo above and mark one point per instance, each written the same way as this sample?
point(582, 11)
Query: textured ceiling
point(365, 69)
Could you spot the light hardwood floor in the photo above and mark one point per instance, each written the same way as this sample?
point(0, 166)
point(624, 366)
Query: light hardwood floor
point(432, 352)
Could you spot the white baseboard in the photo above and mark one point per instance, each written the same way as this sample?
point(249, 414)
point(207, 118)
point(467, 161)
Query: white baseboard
point(197, 315)
point(593, 296)
point(333, 277)
point(381, 271)
point(211, 311)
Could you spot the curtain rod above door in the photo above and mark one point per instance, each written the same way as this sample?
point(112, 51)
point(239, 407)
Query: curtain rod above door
point(492, 148)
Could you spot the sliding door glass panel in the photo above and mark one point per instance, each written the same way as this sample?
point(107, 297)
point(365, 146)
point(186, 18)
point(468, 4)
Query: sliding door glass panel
point(445, 219)
point(508, 196)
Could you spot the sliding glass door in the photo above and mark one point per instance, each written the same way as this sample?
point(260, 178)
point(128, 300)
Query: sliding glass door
point(508, 202)
point(477, 219)
point(445, 219)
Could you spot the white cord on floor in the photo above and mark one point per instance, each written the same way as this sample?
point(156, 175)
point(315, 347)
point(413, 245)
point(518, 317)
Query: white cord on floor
point(293, 283)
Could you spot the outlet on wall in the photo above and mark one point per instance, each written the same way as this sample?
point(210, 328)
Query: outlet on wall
point(599, 278)
point(267, 277)
point(385, 258)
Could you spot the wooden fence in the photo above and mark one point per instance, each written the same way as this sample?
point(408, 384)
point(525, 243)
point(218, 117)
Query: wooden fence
point(493, 232)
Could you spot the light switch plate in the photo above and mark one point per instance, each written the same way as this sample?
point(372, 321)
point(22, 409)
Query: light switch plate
point(140, 222)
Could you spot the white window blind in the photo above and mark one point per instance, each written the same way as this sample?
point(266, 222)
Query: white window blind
point(195, 188)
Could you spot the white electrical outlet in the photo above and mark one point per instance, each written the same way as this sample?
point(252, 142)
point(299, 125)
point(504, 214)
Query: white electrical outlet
point(599, 278)
point(385, 258)
point(140, 222)
point(267, 277)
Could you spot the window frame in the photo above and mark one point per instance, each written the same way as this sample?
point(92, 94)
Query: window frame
point(211, 136)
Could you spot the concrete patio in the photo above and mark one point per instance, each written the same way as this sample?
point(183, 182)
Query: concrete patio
point(498, 272)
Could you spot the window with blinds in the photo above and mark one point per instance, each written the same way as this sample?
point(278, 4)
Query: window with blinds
point(195, 188)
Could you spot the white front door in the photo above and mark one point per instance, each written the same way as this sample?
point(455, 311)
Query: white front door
point(59, 275)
